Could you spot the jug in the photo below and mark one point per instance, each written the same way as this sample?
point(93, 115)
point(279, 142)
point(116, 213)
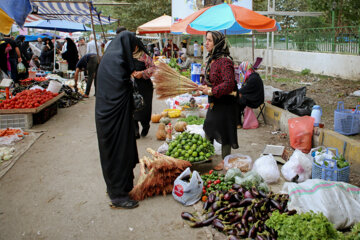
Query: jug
point(316, 113)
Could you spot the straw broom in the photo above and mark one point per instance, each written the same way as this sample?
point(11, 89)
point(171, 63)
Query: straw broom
point(170, 83)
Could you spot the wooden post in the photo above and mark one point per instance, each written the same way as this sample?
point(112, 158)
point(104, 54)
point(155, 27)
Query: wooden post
point(92, 24)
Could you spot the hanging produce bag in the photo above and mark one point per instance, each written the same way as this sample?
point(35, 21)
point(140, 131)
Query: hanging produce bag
point(300, 132)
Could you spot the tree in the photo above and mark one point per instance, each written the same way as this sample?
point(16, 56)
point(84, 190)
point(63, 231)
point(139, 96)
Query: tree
point(140, 12)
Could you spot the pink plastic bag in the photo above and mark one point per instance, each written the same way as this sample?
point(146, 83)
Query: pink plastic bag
point(250, 121)
point(300, 132)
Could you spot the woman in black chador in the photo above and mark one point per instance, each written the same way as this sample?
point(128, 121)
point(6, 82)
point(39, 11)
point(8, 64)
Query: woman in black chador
point(115, 126)
point(70, 54)
point(144, 68)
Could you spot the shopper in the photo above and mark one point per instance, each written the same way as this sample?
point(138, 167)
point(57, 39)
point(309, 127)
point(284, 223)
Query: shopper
point(118, 30)
point(39, 44)
point(9, 56)
point(219, 82)
point(81, 47)
point(70, 53)
point(91, 47)
point(26, 55)
point(171, 50)
point(88, 63)
point(144, 68)
point(196, 49)
point(186, 62)
point(115, 125)
point(34, 63)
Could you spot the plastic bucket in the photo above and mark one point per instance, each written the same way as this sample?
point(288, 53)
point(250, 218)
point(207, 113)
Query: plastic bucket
point(195, 72)
point(54, 86)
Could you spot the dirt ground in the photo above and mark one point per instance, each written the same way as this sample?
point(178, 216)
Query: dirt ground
point(56, 189)
point(324, 90)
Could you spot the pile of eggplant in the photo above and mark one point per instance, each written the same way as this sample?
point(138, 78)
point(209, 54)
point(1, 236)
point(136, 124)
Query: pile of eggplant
point(241, 213)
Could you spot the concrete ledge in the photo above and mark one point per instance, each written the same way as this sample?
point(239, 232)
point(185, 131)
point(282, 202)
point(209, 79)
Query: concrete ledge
point(349, 148)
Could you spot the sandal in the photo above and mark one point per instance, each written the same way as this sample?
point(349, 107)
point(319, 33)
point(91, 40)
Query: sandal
point(123, 204)
point(220, 166)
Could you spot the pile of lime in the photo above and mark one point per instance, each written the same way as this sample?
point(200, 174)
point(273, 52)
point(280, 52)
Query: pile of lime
point(191, 147)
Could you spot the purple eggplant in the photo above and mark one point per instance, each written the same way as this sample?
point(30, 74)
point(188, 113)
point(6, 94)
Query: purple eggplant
point(221, 210)
point(248, 194)
point(291, 212)
point(204, 223)
point(242, 233)
point(206, 205)
point(236, 186)
point(237, 197)
point(227, 196)
point(232, 237)
point(255, 192)
point(215, 206)
point(218, 225)
point(236, 218)
point(241, 190)
point(262, 194)
point(245, 202)
point(250, 219)
point(209, 215)
point(259, 237)
point(232, 232)
point(253, 231)
point(211, 198)
point(188, 216)
point(276, 204)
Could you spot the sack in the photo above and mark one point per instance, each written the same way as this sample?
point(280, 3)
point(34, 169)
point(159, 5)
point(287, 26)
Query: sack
point(298, 168)
point(338, 201)
point(21, 68)
point(139, 103)
point(188, 188)
point(267, 168)
point(300, 133)
point(250, 121)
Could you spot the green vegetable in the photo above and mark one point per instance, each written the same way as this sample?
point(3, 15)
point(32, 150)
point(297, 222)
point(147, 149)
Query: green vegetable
point(303, 226)
point(355, 233)
point(193, 120)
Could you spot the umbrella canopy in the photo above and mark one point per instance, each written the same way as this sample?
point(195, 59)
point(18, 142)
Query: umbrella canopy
point(33, 38)
point(225, 17)
point(58, 25)
point(158, 25)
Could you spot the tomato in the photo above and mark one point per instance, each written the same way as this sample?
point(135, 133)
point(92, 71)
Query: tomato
point(211, 171)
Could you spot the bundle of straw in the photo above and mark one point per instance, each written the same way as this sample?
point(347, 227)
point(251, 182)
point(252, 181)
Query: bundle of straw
point(157, 175)
point(170, 83)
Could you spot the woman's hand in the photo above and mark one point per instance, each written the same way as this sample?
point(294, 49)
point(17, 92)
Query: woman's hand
point(205, 89)
point(137, 74)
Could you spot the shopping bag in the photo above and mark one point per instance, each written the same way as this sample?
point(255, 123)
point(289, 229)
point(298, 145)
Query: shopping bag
point(21, 68)
point(298, 168)
point(250, 120)
point(300, 132)
point(188, 187)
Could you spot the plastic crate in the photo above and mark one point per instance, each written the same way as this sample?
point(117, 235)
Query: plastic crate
point(45, 114)
point(346, 121)
point(24, 121)
point(330, 173)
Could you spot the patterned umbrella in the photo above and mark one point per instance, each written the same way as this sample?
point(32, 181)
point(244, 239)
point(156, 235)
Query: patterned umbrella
point(227, 18)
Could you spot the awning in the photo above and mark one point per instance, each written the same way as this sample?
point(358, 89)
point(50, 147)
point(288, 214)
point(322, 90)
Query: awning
point(158, 25)
point(70, 11)
point(11, 11)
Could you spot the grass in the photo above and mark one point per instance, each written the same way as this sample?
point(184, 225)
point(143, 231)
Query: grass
point(284, 80)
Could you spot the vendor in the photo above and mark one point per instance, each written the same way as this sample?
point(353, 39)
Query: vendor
point(219, 84)
point(34, 63)
point(88, 63)
point(251, 93)
point(185, 62)
point(171, 49)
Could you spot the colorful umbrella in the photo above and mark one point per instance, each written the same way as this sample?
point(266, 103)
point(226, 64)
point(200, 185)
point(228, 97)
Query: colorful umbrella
point(225, 17)
point(13, 11)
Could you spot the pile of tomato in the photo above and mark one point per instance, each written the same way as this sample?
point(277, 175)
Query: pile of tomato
point(28, 99)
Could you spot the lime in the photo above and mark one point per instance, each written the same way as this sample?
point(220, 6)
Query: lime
point(194, 154)
point(207, 155)
point(194, 140)
point(187, 147)
point(190, 151)
point(205, 144)
point(183, 142)
point(201, 154)
point(197, 159)
point(199, 142)
point(183, 152)
point(176, 154)
point(187, 155)
point(191, 159)
point(202, 158)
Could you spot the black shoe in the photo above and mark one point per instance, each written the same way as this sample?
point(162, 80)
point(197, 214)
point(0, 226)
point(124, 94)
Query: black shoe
point(137, 135)
point(124, 204)
point(145, 131)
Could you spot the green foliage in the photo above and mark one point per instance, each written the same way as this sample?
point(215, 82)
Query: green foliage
point(303, 226)
point(355, 233)
point(305, 71)
point(140, 12)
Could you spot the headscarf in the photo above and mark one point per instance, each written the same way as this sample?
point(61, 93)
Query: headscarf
point(141, 49)
point(246, 69)
point(220, 50)
point(71, 47)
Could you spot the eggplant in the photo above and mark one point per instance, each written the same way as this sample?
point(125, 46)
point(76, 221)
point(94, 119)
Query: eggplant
point(236, 218)
point(236, 186)
point(248, 194)
point(242, 233)
point(232, 237)
point(245, 202)
point(237, 197)
point(276, 204)
point(250, 219)
point(227, 196)
point(239, 226)
point(209, 215)
point(215, 206)
point(232, 232)
point(255, 192)
point(218, 225)
point(204, 223)
point(253, 230)
point(221, 210)
point(262, 194)
point(259, 237)
point(206, 205)
point(291, 212)
point(188, 216)
point(211, 198)
point(258, 204)
point(241, 190)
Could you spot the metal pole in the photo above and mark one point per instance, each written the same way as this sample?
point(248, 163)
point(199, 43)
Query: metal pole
point(267, 56)
point(54, 37)
point(92, 24)
point(272, 54)
point(102, 29)
point(253, 46)
point(333, 37)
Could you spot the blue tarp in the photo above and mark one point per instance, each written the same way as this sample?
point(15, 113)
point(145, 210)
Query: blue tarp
point(58, 25)
point(33, 38)
point(17, 10)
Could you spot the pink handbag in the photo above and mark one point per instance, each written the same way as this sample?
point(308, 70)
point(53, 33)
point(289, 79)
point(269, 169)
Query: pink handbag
point(250, 120)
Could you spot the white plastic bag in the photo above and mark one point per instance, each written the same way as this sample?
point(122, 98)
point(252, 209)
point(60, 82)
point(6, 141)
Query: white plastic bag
point(163, 148)
point(217, 147)
point(9, 140)
point(320, 154)
point(188, 188)
point(197, 129)
point(267, 168)
point(238, 160)
point(232, 173)
point(298, 168)
point(338, 201)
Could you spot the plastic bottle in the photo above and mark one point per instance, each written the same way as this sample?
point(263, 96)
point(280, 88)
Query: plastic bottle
point(316, 113)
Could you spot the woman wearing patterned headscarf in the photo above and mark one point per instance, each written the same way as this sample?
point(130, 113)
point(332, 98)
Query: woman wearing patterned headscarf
point(219, 82)
point(251, 93)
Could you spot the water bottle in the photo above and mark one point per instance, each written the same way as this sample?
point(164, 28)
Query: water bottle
point(316, 113)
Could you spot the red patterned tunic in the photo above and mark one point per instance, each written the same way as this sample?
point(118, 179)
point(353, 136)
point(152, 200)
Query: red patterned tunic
point(222, 77)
